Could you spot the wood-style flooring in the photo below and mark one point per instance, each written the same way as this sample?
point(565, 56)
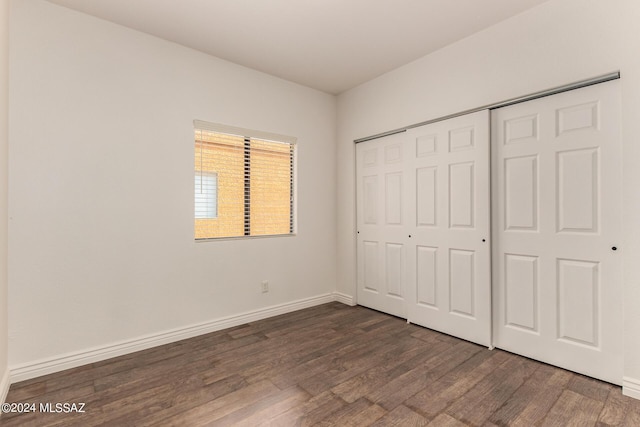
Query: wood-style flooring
point(330, 365)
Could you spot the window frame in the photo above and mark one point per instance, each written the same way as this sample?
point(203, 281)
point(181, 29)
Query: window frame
point(249, 134)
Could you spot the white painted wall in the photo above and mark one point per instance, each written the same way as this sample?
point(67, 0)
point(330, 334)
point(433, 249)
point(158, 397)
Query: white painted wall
point(101, 245)
point(4, 144)
point(559, 42)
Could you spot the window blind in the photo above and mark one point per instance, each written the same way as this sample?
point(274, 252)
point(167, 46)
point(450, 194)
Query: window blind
point(244, 185)
point(206, 200)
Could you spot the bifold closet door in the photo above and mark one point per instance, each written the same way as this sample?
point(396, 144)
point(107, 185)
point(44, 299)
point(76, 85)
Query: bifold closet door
point(382, 221)
point(449, 265)
point(557, 224)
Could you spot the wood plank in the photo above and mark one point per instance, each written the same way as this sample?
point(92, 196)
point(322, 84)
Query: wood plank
point(359, 413)
point(435, 398)
point(220, 407)
point(520, 399)
point(414, 380)
point(573, 409)
point(444, 420)
point(190, 400)
point(544, 399)
point(477, 405)
point(590, 387)
point(310, 412)
point(350, 365)
point(401, 416)
point(615, 408)
point(270, 406)
point(632, 419)
point(380, 375)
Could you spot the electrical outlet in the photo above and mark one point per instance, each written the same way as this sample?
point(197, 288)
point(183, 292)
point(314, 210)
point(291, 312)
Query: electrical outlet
point(265, 286)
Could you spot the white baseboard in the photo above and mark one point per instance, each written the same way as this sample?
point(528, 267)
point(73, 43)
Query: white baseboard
point(344, 298)
point(71, 360)
point(4, 386)
point(631, 387)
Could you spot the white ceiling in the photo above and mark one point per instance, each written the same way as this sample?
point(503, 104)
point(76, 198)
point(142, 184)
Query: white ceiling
point(330, 45)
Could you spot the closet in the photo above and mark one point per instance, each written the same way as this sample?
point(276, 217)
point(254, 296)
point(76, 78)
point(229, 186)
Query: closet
point(502, 227)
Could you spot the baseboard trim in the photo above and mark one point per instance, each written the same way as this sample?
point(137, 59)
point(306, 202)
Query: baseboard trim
point(4, 386)
point(344, 298)
point(73, 360)
point(631, 387)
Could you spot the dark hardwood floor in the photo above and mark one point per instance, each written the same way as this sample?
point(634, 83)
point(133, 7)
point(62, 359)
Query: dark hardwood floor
point(330, 365)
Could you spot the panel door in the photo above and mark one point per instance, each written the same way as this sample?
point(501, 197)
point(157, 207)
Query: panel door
point(449, 252)
point(557, 230)
point(382, 221)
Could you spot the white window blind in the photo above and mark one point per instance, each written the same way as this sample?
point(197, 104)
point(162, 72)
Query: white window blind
point(206, 200)
point(244, 184)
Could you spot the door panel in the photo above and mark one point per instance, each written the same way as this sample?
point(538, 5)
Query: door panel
point(461, 265)
point(577, 189)
point(370, 265)
point(557, 215)
point(521, 290)
point(426, 195)
point(427, 276)
point(461, 198)
point(382, 221)
point(521, 193)
point(578, 301)
point(393, 198)
point(395, 267)
point(448, 262)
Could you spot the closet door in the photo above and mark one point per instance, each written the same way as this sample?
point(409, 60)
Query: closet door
point(557, 227)
point(449, 265)
point(382, 221)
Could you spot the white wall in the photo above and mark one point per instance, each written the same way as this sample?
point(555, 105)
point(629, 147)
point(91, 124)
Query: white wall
point(4, 142)
point(101, 245)
point(559, 42)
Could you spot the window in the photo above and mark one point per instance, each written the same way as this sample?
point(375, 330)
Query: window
point(244, 182)
point(206, 206)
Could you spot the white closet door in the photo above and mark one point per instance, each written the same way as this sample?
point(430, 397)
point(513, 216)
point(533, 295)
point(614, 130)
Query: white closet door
point(382, 224)
point(557, 227)
point(449, 265)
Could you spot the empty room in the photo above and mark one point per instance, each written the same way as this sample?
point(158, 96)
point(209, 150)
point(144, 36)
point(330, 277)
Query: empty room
point(319, 212)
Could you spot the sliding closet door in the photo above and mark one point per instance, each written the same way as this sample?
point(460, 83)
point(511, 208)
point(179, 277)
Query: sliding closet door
point(557, 226)
point(382, 220)
point(448, 251)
